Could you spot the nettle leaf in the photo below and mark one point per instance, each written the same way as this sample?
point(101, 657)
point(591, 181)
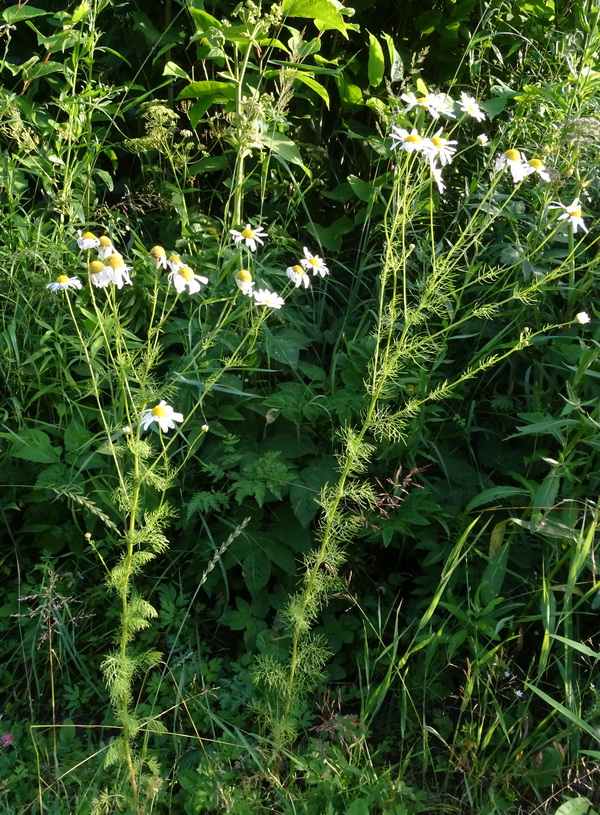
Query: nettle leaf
point(33, 445)
point(256, 570)
point(324, 13)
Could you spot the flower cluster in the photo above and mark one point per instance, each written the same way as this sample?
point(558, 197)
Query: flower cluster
point(516, 162)
point(181, 276)
point(298, 273)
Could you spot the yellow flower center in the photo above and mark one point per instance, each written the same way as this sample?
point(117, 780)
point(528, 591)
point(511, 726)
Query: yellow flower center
point(247, 233)
point(437, 141)
point(158, 252)
point(104, 241)
point(422, 100)
point(244, 276)
point(313, 261)
point(414, 138)
point(535, 163)
point(513, 155)
point(159, 411)
point(88, 236)
point(174, 259)
point(186, 273)
point(62, 279)
point(299, 269)
point(95, 267)
point(574, 212)
point(114, 261)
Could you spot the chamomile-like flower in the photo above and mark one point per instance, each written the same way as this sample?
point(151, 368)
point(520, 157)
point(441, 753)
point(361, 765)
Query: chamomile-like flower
point(264, 297)
point(571, 213)
point(538, 167)
point(249, 236)
point(513, 161)
point(117, 271)
point(163, 415)
point(175, 263)
point(159, 256)
point(583, 317)
point(184, 278)
point(99, 274)
point(411, 142)
point(87, 241)
point(313, 263)
point(63, 282)
point(436, 174)
point(437, 148)
point(106, 248)
point(244, 282)
point(482, 139)
point(470, 106)
point(298, 276)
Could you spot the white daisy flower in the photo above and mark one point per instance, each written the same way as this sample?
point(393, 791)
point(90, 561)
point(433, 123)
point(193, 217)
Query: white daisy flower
point(513, 161)
point(175, 263)
point(571, 213)
point(87, 241)
point(99, 274)
point(159, 256)
point(117, 271)
point(163, 415)
point(249, 236)
point(184, 278)
point(264, 297)
point(442, 105)
point(538, 166)
point(63, 282)
point(313, 262)
point(437, 147)
point(411, 142)
point(298, 276)
point(583, 317)
point(244, 282)
point(436, 173)
point(106, 248)
point(482, 139)
point(470, 106)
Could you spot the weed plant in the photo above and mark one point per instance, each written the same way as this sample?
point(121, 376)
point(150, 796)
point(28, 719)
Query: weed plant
point(323, 416)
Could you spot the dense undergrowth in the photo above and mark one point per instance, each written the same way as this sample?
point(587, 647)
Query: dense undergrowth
point(299, 443)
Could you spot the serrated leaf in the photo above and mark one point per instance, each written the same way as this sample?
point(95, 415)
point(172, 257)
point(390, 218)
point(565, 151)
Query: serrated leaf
point(34, 445)
point(219, 91)
point(256, 570)
point(319, 10)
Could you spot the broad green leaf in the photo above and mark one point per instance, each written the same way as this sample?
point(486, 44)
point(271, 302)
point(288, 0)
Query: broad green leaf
point(15, 13)
point(313, 85)
point(80, 13)
point(363, 190)
point(376, 65)
point(203, 19)
point(32, 444)
point(283, 146)
point(576, 806)
point(321, 10)
point(220, 91)
point(397, 69)
point(209, 164)
point(171, 69)
point(256, 570)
